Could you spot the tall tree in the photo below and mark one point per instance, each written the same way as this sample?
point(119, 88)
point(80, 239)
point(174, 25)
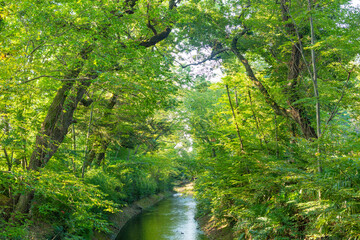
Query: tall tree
point(281, 46)
point(81, 44)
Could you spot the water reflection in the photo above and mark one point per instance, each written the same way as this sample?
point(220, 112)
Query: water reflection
point(170, 219)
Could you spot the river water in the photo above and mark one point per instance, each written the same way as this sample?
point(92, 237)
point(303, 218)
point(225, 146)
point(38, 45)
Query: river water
point(170, 219)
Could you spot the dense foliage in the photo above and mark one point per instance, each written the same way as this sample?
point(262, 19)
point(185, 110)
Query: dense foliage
point(278, 135)
point(86, 98)
point(100, 105)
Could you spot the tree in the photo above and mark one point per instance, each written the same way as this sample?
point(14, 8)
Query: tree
point(281, 47)
point(80, 44)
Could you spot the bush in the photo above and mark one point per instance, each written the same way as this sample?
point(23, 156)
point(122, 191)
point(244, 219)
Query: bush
point(72, 203)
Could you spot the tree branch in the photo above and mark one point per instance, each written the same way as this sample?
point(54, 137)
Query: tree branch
point(60, 79)
point(157, 38)
point(278, 109)
point(335, 110)
point(148, 24)
point(211, 57)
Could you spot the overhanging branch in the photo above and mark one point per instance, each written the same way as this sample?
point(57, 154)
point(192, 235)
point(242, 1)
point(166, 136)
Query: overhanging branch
point(157, 38)
point(56, 78)
point(211, 57)
point(269, 100)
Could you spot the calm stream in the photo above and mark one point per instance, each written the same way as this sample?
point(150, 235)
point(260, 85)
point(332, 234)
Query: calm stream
point(170, 219)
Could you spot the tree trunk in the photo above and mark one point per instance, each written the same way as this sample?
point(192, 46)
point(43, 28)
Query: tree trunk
point(101, 154)
point(74, 144)
point(8, 159)
point(316, 91)
point(298, 112)
point(86, 162)
point(260, 132)
point(53, 131)
point(276, 137)
point(90, 156)
point(295, 113)
point(234, 116)
point(95, 152)
point(57, 122)
point(23, 203)
point(60, 114)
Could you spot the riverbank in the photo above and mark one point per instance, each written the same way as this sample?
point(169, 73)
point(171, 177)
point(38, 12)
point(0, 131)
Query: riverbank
point(213, 230)
point(121, 218)
point(40, 230)
point(208, 225)
point(185, 188)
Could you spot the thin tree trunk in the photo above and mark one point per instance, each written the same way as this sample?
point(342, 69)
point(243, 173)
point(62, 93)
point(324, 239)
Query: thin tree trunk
point(8, 160)
point(336, 108)
point(117, 152)
point(136, 149)
point(234, 116)
point(276, 137)
point(24, 163)
point(89, 159)
point(261, 134)
point(99, 153)
point(75, 154)
point(207, 140)
point(128, 156)
point(316, 91)
point(86, 162)
point(213, 152)
point(314, 77)
point(24, 160)
point(236, 99)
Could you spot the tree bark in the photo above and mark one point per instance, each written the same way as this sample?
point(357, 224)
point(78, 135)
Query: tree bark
point(298, 112)
point(57, 122)
point(23, 203)
point(60, 114)
point(101, 154)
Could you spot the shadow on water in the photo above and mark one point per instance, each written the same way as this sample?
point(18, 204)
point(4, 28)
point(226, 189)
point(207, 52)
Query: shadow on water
point(170, 219)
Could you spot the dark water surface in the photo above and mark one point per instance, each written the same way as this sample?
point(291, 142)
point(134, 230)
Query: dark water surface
point(170, 219)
